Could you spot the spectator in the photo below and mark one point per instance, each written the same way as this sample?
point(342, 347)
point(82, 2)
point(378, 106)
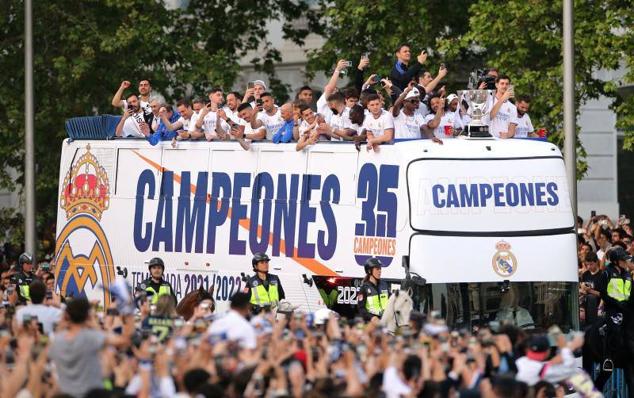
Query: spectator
point(503, 116)
point(233, 326)
point(133, 123)
point(488, 82)
point(270, 117)
point(524, 126)
point(285, 132)
point(535, 365)
point(603, 243)
point(379, 124)
point(588, 287)
point(44, 315)
point(444, 124)
point(75, 350)
point(402, 72)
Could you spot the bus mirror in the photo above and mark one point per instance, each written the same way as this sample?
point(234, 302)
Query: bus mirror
point(307, 281)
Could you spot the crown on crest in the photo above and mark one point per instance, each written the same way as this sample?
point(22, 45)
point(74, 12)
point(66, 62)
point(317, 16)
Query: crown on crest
point(503, 246)
point(86, 187)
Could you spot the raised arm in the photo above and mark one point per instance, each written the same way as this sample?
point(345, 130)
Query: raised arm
point(398, 104)
point(435, 122)
point(498, 105)
point(331, 86)
point(442, 72)
point(118, 96)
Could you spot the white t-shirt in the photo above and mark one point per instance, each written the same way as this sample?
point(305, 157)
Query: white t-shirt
point(408, 126)
point(506, 114)
point(393, 386)
point(271, 123)
point(341, 121)
point(422, 110)
point(448, 119)
point(234, 327)
point(132, 126)
point(323, 108)
point(231, 114)
point(524, 126)
point(209, 125)
point(304, 125)
point(378, 125)
point(45, 314)
point(192, 122)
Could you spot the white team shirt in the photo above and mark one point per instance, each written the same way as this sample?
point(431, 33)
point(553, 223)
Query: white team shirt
point(132, 126)
point(271, 123)
point(524, 126)
point(422, 110)
point(145, 106)
point(231, 114)
point(408, 126)
point(341, 121)
point(209, 125)
point(505, 116)
point(448, 120)
point(378, 125)
point(323, 108)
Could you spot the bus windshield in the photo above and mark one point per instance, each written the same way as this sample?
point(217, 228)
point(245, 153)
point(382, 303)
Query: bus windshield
point(528, 305)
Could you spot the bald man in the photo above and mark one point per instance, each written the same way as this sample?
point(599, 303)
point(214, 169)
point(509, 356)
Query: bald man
point(285, 133)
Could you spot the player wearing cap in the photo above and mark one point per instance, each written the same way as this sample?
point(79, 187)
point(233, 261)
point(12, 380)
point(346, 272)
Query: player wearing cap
point(155, 285)
point(372, 299)
point(24, 276)
point(265, 289)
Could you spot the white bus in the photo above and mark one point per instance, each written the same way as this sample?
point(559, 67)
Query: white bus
point(487, 223)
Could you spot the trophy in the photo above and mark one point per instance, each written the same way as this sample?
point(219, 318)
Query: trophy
point(477, 103)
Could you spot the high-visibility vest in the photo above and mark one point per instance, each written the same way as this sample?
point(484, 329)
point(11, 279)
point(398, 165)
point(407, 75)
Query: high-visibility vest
point(619, 289)
point(25, 292)
point(376, 301)
point(164, 289)
point(260, 296)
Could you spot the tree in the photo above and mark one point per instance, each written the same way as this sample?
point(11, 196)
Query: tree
point(524, 40)
point(352, 27)
point(84, 49)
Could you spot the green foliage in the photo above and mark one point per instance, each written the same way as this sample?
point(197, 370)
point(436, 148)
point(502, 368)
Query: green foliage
point(84, 49)
point(523, 38)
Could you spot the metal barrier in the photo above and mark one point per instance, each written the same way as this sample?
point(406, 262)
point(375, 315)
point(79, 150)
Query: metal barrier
point(615, 387)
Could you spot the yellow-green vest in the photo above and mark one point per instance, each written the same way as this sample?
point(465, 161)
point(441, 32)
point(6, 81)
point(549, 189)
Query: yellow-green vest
point(376, 303)
point(619, 289)
point(164, 289)
point(260, 297)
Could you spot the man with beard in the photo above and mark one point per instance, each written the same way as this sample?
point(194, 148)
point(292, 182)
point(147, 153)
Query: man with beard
point(524, 126)
point(133, 123)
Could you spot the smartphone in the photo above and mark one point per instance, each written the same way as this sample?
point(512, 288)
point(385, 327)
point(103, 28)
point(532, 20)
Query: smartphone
point(49, 295)
point(348, 64)
point(258, 101)
point(593, 213)
point(365, 55)
point(250, 85)
point(442, 65)
point(377, 78)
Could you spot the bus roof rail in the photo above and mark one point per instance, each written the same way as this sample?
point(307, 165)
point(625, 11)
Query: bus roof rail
point(100, 127)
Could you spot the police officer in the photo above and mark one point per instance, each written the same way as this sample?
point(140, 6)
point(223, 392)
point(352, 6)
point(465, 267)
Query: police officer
point(24, 276)
point(615, 288)
point(372, 299)
point(155, 285)
point(265, 289)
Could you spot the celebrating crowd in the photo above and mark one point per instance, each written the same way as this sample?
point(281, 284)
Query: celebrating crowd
point(409, 104)
point(142, 344)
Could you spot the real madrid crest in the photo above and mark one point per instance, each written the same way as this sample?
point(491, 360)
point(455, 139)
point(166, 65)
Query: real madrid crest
point(504, 261)
point(85, 264)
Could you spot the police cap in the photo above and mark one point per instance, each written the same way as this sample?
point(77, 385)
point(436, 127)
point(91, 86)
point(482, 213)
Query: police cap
point(154, 262)
point(257, 257)
point(25, 258)
point(370, 263)
point(618, 253)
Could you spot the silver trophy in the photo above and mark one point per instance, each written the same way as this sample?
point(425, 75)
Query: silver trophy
point(477, 102)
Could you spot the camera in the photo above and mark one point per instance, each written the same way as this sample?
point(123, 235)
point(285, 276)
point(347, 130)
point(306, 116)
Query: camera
point(479, 76)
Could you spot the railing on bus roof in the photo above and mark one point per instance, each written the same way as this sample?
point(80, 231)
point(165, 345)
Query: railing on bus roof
point(103, 128)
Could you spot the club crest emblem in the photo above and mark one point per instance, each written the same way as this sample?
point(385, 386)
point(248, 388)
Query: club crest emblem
point(83, 256)
point(504, 261)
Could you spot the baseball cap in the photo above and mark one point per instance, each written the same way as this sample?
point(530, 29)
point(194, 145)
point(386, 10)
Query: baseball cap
point(259, 83)
point(414, 93)
point(285, 307)
point(539, 343)
point(451, 97)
